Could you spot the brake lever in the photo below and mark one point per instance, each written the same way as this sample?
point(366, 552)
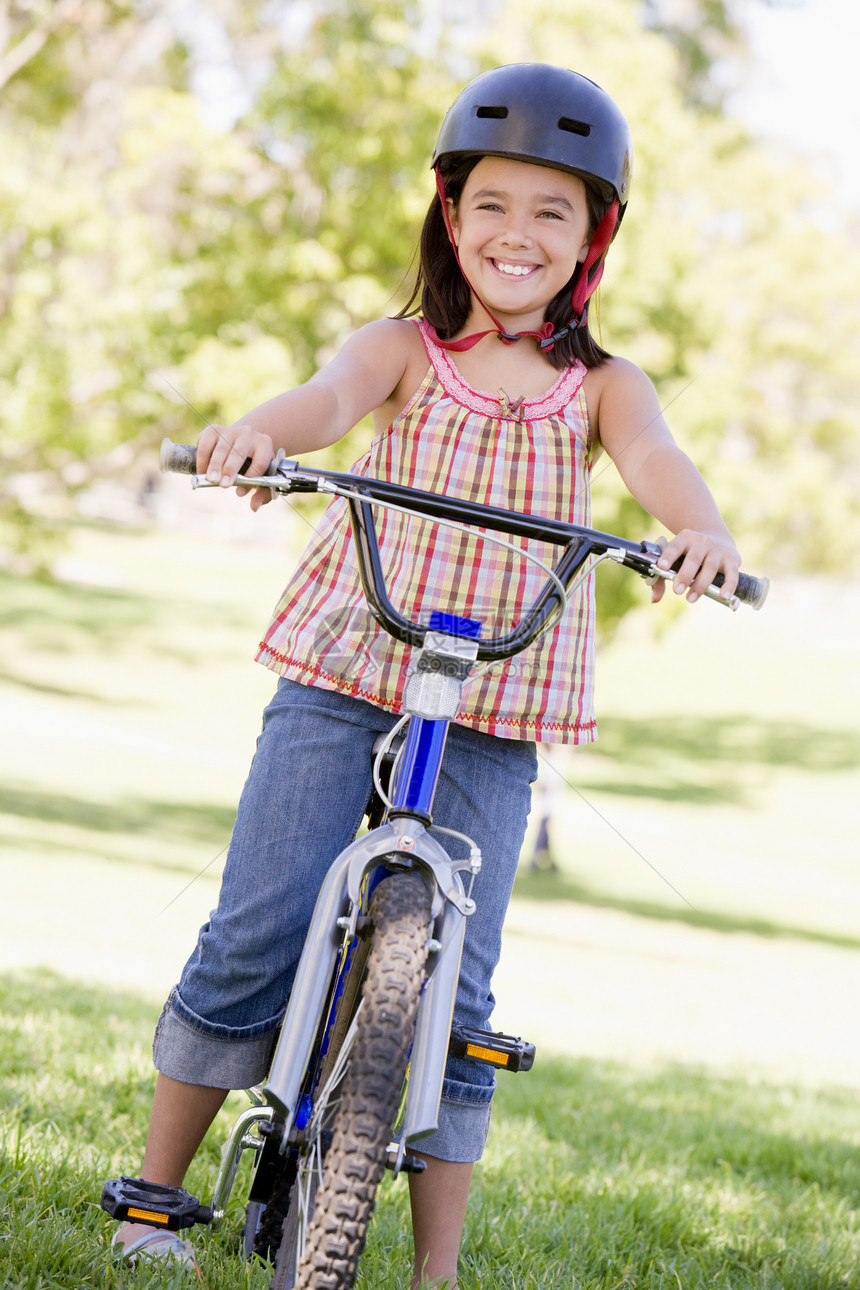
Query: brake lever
point(712, 592)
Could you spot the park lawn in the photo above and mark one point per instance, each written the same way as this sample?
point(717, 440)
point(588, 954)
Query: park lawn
point(717, 799)
point(718, 793)
point(597, 1176)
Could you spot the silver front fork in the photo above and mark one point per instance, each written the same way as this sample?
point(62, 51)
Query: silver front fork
point(334, 919)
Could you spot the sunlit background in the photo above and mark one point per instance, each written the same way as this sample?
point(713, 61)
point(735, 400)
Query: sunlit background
point(200, 201)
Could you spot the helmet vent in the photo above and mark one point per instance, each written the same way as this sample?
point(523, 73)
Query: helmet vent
point(498, 112)
point(573, 127)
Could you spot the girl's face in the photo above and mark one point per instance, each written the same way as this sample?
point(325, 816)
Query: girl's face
point(520, 230)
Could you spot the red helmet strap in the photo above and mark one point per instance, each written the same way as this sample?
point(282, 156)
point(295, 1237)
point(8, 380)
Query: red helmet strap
point(592, 270)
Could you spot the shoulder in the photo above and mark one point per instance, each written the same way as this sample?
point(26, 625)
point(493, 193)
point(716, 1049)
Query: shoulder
point(405, 334)
point(388, 340)
point(402, 351)
point(618, 395)
point(368, 370)
point(371, 367)
point(617, 376)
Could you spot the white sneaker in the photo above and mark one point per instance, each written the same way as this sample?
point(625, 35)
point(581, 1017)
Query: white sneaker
point(156, 1245)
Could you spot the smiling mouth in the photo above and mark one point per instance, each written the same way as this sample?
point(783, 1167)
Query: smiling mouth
point(514, 270)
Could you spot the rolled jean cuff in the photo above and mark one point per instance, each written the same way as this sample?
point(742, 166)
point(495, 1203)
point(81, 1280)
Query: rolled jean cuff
point(464, 1121)
point(192, 1055)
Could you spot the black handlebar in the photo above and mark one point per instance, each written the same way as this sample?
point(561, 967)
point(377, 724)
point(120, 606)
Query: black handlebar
point(578, 542)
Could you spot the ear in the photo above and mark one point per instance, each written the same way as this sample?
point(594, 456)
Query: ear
point(452, 217)
point(583, 250)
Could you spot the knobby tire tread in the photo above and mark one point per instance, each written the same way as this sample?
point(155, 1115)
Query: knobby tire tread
point(266, 1240)
point(355, 1161)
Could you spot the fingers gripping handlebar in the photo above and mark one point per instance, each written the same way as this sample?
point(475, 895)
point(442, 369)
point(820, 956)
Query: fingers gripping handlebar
point(287, 476)
point(181, 459)
point(750, 591)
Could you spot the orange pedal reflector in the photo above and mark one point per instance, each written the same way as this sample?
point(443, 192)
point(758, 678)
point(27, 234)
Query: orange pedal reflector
point(146, 1216)
point(486, 1055)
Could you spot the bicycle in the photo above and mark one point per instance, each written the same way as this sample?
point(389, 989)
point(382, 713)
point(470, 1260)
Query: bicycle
point(368, 1026)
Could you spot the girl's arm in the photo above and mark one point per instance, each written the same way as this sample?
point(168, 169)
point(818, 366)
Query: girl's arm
point(363, 375)
point(624, 407)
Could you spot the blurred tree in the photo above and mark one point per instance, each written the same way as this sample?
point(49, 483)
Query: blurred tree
point(112, 190)
point(703, 33)
point(340, 135)
point(146, 249)
point(733, 283)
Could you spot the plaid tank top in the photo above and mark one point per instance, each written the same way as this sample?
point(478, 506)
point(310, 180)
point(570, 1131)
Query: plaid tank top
point(454, 440)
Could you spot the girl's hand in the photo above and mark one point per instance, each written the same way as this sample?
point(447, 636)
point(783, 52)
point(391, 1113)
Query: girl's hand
point(223, 450)
point(704, 555)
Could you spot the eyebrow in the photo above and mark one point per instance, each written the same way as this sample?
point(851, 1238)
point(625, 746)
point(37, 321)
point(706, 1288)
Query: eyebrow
point(542, 199)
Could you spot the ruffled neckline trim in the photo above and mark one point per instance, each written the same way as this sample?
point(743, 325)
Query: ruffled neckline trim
point(557, 397)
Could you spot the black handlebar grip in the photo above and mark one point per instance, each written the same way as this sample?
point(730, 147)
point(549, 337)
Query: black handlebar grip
point(181, 458)
point(178, 457)
point(749, 591)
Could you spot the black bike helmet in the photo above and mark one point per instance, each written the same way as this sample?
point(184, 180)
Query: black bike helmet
point(549, 116)
point(546, 115)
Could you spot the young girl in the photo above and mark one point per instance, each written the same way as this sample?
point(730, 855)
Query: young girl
point(496, 391)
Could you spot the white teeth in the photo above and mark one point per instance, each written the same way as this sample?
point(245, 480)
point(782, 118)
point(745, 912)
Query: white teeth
point(515, 270)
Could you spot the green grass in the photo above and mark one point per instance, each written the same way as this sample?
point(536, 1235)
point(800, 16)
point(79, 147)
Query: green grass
point(596, 1176)
point(558, 886)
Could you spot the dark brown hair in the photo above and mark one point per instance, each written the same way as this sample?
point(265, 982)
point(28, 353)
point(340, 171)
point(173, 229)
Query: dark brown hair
point(441, 293)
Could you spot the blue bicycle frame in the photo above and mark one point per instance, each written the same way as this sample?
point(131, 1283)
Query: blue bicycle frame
point(403, 842)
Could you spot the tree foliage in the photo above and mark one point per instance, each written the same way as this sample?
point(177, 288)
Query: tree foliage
point(146, 250)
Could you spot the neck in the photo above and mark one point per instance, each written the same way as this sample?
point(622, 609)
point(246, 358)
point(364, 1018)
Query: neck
point(521, 370)
point(480, 319)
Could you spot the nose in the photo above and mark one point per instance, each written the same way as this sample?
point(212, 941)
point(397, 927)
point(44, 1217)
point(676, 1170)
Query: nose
point(516, 231)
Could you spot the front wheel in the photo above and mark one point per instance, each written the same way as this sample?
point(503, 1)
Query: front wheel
point(354, 1158)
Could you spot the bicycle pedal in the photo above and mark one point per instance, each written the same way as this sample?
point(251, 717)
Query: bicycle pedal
point(408, 1165)
point(492, 1048)
point(135, 1201)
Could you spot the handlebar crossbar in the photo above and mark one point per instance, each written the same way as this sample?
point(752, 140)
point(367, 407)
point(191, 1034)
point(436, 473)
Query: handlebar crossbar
point(579, 544)
point(286, 476)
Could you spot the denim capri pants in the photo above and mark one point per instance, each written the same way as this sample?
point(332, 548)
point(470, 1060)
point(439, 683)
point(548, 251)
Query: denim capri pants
point(307, 790)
